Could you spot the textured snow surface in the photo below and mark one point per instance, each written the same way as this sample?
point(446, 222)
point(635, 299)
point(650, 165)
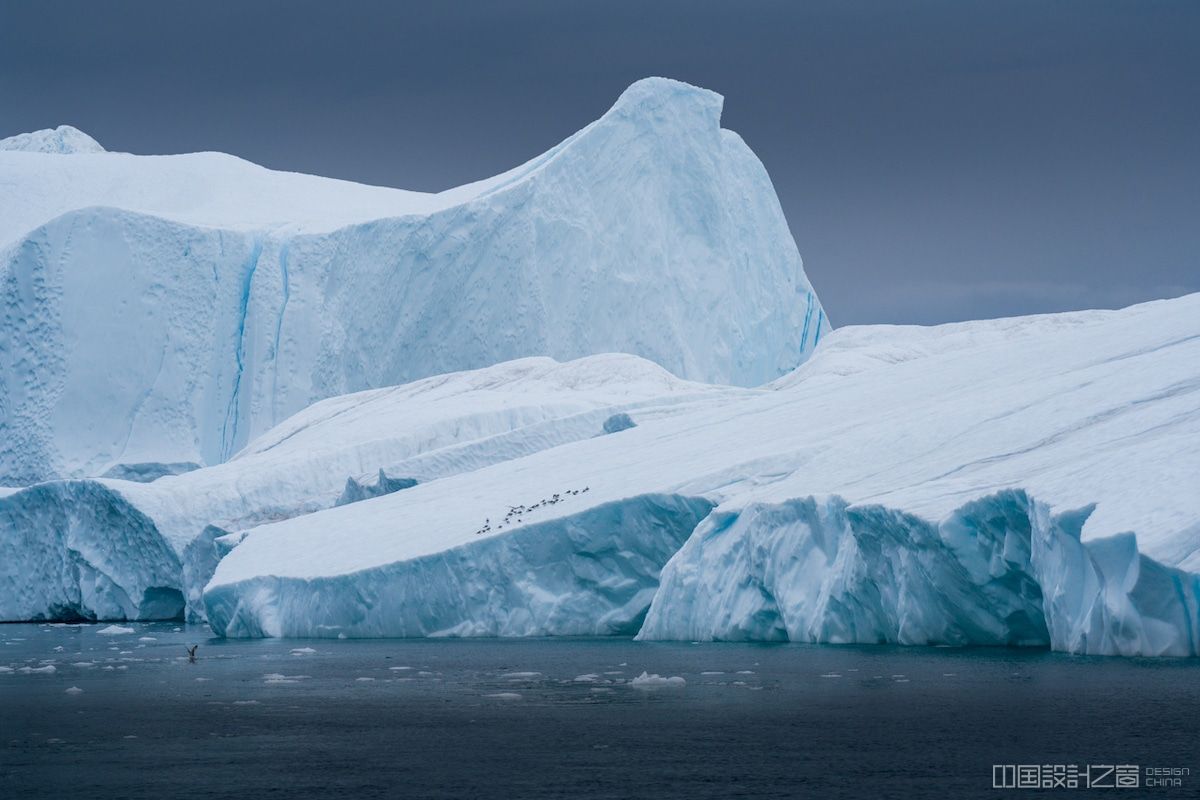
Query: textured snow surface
point(163, 310)
point(1020, 481)
point(114, 549)
point(63, 140)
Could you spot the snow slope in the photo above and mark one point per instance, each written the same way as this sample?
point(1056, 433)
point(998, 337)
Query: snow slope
point(113, 549)
point(165, 310)
point(1028, 481)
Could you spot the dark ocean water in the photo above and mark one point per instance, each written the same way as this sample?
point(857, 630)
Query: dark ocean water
point(559, 718)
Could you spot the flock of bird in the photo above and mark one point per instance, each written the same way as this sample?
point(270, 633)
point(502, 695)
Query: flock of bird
point(517, 513)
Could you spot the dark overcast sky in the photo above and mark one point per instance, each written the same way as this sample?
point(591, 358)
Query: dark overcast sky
point(936, 160)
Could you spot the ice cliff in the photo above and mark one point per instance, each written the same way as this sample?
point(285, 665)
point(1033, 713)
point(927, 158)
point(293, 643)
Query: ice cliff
point(166, 310)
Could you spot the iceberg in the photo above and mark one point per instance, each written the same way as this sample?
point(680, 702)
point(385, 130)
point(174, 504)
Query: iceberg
point(1026, 481)
point(158, 312)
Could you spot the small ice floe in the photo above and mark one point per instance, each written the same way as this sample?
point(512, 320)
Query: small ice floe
point(59, 649)
point(712, 672)
point(364, 679)
point(949, 674)
point(245, 702)
point(832, 675)
point(591, 677)
point(656, 681)
point(5, 669)
point(276, 678)
point(900, 680)
point(115, 630)
point(341, 636)
point(203, 680)
point(600, 689)
point(130, 736)
point(504, 696)
point(522, 675)
point(426, 674)
point(49, 669)
point(302, 651)
point(398, 669)
point(74, 690)
point(147, 639)
point(745, 672)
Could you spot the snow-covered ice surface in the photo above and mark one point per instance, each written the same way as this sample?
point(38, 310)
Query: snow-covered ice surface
point(1018, 481)
point(166, 310)
point(113, 549)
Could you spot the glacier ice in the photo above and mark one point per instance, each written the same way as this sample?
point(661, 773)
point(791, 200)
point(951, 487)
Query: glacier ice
point(592, 573)
point(170, 309)
point(1000, 570)
point(114, 549)
point(1025, 481)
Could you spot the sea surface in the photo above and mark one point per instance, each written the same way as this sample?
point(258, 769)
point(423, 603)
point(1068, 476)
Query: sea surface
point(126, 715)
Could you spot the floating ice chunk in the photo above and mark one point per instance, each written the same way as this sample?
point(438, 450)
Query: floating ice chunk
point(504, 695)
point(302, 651)
point(114, 630)
point(49, 669)
point(147, 639)
point(74, 690)
point(277, 678)
point(656, 681)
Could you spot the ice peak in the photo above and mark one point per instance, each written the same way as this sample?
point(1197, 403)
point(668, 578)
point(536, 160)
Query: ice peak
point(653, 98)
point(61, 140)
